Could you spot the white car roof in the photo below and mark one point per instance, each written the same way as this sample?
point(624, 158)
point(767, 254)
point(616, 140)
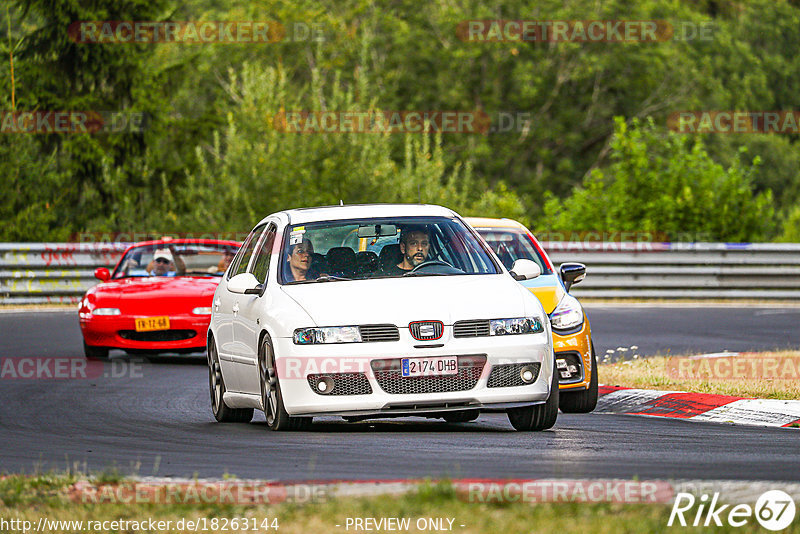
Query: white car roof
point(359, 211)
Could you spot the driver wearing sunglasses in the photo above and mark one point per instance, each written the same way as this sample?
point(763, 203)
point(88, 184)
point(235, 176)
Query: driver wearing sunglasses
point(163, 264)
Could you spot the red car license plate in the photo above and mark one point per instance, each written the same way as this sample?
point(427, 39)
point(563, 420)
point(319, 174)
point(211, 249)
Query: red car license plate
point(152, 323)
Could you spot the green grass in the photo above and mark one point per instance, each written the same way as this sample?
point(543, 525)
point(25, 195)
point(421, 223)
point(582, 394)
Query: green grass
point(657, 372)
point(32, 497)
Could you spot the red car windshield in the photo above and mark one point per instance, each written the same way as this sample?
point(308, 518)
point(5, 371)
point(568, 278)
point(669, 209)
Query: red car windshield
point(176, 259)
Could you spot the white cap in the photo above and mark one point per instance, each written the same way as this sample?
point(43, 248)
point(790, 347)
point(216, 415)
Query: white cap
point(163, 253)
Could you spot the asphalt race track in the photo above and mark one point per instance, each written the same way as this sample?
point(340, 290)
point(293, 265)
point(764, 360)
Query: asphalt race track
point(694, 329)
point(654, 330)
point(152, 417)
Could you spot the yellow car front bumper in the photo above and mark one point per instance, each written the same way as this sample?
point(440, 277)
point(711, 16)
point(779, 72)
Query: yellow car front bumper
point(575, 349)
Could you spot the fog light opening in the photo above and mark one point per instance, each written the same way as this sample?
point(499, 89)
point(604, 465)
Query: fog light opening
point(527, 374)
point(325, 385)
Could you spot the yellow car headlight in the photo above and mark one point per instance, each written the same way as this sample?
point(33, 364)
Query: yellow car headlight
point(567, 315)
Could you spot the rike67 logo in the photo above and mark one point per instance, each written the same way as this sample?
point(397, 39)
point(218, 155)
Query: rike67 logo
point(774, 510)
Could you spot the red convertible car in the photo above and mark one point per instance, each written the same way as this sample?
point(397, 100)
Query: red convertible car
point(158, 299)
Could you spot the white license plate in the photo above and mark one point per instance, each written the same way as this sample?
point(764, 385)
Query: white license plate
point(437, 366)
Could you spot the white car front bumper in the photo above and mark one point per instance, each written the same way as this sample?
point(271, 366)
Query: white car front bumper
point(354, 365)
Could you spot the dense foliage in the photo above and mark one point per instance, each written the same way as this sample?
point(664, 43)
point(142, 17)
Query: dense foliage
point(593, 153)
point(656, 184)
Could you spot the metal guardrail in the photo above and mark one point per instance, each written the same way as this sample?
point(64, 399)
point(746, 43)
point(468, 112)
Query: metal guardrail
point(684, 270)
point(32, 273)
point(40, 273)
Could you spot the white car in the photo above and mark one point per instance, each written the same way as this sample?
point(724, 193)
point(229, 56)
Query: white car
point(377, 311)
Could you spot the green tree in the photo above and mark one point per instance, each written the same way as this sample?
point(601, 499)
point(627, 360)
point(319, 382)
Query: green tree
point(791, 226)
point(415, 60)
point(253, 167)
point(662, 183)
point(64, 173)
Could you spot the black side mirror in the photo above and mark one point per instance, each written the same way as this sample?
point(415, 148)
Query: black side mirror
point(258, 290)
point(572, 273)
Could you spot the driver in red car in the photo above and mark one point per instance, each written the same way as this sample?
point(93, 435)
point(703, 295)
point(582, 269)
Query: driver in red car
point(163, 264)
point(224, 262)
point(415, 245)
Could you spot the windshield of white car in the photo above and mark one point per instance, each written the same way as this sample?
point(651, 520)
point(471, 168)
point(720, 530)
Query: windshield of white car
point(512, 244)
point(179, 259)
point(360, 249)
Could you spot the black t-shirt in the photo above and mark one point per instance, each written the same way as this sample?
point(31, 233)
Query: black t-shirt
point(394, 270)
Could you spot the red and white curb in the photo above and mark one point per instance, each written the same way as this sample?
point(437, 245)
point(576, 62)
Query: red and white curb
point(699, 406)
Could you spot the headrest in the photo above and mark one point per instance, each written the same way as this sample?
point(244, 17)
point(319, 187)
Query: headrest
point(341, 257)
point(390, 255)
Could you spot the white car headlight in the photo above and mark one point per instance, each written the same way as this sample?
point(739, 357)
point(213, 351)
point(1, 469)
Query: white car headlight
point(106, 311)
point(330, 334)
point(568, 314)
point(202, 310)
point(518, 325)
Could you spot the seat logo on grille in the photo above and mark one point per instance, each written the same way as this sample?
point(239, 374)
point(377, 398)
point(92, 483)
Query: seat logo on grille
point(426, 330)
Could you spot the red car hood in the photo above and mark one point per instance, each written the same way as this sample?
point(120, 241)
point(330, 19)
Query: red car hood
point(148, 295)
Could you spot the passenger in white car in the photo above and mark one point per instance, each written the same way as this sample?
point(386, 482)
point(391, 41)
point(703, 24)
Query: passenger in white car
point(299, 261)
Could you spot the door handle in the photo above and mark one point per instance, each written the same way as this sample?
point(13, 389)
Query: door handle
point(235, 309)
point(216, 304)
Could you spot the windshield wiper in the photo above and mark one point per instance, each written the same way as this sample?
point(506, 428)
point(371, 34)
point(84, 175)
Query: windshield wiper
point(420, 273)
point(322, 278)
point(330, 278)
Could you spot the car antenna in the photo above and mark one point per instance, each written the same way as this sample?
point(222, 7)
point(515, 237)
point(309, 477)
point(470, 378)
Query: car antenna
point(341, 202)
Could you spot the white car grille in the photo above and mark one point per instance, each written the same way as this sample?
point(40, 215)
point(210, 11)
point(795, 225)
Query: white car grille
point(389, 376)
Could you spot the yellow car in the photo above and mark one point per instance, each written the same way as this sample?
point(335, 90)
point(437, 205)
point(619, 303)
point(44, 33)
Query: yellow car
point(572, 335)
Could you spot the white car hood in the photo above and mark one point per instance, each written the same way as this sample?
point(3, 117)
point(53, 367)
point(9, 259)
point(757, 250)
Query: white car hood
point(400, 301)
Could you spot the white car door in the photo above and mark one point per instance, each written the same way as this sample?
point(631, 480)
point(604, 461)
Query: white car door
point(226, 308)
point(247, 322)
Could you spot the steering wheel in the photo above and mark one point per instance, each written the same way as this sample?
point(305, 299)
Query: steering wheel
point(430, 262)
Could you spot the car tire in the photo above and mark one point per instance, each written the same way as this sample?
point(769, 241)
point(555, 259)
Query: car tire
point(581, 401)
point(541, 416)
point(274, 410)
point(216, 385)
point(95, 353)
point(461, 417)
